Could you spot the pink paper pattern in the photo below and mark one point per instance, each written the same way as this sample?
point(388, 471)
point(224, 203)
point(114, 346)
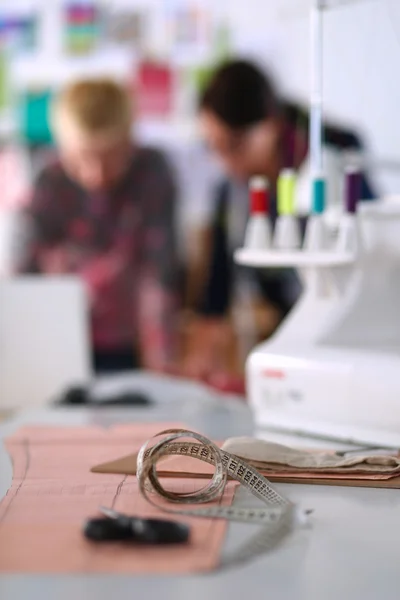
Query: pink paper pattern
point(53, 492)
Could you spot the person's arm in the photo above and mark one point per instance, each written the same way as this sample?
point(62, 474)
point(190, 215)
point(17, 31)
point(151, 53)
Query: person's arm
point(158, 283)
point(210, 338)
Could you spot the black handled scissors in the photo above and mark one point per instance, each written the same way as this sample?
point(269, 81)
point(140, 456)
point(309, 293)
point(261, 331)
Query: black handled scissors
point(115, 526)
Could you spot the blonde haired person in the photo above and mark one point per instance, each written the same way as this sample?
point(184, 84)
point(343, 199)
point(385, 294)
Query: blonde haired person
point(105, 211)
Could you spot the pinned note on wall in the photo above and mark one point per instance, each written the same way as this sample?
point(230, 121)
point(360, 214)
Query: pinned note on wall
point(154, 89)
point(34, 109)
point(189, 22)
point(18, 30)
point(4, 80)
point(82, 27)
point(189, 30)
point(126, 27)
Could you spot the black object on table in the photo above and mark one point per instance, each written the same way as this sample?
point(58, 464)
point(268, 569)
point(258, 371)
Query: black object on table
point(116, 526)
point(81, 396)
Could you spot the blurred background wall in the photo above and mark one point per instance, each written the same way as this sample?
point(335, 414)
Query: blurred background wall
point(165, 48)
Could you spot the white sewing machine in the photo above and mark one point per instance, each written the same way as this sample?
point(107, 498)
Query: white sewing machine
point(333, 367)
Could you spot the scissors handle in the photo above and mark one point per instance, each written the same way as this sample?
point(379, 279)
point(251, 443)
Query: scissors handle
point(142, 531)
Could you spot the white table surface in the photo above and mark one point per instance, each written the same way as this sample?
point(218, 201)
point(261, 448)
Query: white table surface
point(350, 552)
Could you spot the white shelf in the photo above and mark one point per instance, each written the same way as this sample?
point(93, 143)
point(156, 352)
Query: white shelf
point(297, 258)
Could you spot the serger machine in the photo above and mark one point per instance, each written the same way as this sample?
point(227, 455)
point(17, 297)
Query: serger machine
point(332, 369)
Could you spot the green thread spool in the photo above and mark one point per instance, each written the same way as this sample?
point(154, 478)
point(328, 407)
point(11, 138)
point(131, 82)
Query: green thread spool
point(286, 192)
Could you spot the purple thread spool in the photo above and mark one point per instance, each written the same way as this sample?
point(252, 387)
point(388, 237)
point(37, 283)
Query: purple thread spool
point(352, 192)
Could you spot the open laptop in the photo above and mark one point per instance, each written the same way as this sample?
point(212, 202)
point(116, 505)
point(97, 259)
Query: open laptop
point(44, 339)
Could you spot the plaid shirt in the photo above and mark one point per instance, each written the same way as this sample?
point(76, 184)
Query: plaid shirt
point(122, 244)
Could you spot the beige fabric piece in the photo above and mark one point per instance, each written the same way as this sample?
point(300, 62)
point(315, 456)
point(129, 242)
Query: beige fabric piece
point(269, 455)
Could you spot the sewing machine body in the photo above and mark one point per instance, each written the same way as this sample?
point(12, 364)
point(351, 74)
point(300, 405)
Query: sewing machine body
point(333, 367)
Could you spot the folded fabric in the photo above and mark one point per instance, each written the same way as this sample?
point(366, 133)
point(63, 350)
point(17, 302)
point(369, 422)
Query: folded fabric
point(275, 461)
point(267, 456)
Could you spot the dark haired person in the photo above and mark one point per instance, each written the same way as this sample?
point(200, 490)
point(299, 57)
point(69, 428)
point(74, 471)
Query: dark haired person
point(253, 132)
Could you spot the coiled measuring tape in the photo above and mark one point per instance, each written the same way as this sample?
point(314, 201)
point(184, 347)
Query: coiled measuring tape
point(277, 516)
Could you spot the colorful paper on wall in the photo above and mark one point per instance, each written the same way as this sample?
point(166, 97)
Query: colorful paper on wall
point(189, 31)
point(126, 27)
point(4, 80)
point(154, 87)
point(82, 27)
point(189, 23)
point(34, 116)
point(18, 32)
